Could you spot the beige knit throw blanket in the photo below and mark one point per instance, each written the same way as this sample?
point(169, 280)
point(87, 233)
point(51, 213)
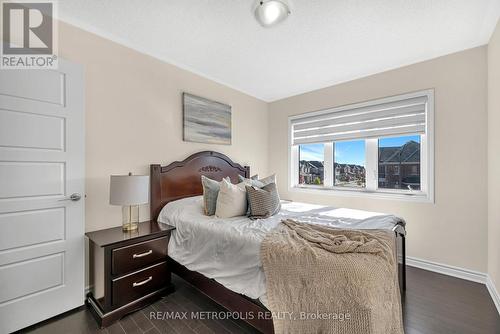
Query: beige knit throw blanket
point(326, 280)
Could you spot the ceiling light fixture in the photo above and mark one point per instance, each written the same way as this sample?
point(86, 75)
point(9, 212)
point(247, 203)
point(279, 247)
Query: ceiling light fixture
point(271, 12)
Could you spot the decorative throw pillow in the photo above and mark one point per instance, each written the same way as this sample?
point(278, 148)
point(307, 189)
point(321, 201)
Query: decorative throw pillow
point(232, 200)
point(263, 202)
point(210, 192)
point(254, 180)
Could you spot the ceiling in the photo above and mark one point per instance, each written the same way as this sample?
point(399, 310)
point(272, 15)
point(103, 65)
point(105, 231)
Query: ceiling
point(323, 42)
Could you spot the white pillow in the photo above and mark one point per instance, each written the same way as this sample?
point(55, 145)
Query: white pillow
point(232, 200)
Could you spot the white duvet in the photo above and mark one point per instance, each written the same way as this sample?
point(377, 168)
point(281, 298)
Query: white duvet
point(228, 250)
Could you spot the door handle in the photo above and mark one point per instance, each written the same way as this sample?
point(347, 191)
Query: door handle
point(73, 197)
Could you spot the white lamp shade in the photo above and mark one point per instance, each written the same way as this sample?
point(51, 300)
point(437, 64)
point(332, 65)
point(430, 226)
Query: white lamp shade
point(128, 189)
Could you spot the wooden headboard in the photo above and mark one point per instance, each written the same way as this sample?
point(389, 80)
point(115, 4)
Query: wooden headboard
point(182, 179)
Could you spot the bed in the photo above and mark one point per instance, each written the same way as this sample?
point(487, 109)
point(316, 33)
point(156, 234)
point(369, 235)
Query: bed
point(202, 249)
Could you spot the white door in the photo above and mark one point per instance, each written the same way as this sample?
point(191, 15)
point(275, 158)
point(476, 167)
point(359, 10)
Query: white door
point(41, 166)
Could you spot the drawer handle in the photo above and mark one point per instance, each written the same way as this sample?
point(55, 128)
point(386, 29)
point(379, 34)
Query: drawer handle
point(143, 254)
point(142, 282)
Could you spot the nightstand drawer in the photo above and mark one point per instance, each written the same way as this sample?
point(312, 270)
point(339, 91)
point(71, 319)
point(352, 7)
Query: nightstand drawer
point(138, 284)
point(130, 258)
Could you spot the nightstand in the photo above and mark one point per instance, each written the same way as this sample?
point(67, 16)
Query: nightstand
point(128, 270)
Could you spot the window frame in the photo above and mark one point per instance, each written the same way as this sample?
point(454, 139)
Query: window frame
point(426, 192)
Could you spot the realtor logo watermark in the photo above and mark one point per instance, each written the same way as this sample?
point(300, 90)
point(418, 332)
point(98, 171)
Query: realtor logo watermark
point(29, 34)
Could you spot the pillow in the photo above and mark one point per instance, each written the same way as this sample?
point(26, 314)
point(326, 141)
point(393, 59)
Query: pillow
point(254, 181)
point(232, 200)
point(263, 202)
point(210, 192)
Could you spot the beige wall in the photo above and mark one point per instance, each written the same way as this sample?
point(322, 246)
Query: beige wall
point(134, 117)
point(452, 231)
point(494, 158)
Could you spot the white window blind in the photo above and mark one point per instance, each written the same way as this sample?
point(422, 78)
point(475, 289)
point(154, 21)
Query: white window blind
point(372, 120)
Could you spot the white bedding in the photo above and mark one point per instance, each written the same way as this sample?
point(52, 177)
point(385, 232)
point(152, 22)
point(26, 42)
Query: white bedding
point(228, 250)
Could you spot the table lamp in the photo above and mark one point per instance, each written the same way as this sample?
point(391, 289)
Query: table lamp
point(129, 191)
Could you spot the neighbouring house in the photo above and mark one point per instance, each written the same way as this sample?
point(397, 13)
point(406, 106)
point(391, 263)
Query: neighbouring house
point(349, 175)
point(311, 172)
point(399, 167)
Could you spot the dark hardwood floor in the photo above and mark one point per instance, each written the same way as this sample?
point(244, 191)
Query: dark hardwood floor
point(433, 304)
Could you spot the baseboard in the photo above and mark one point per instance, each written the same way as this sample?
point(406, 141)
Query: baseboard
point(493, 292)
point(466, 274)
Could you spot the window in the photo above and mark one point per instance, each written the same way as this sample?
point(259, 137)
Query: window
point(379, 148)
point(311, 164)
point(399, 159)
point(349, 165)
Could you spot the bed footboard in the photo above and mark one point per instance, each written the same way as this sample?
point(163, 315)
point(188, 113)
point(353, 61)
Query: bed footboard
point(231, 301)
point(401, 256)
